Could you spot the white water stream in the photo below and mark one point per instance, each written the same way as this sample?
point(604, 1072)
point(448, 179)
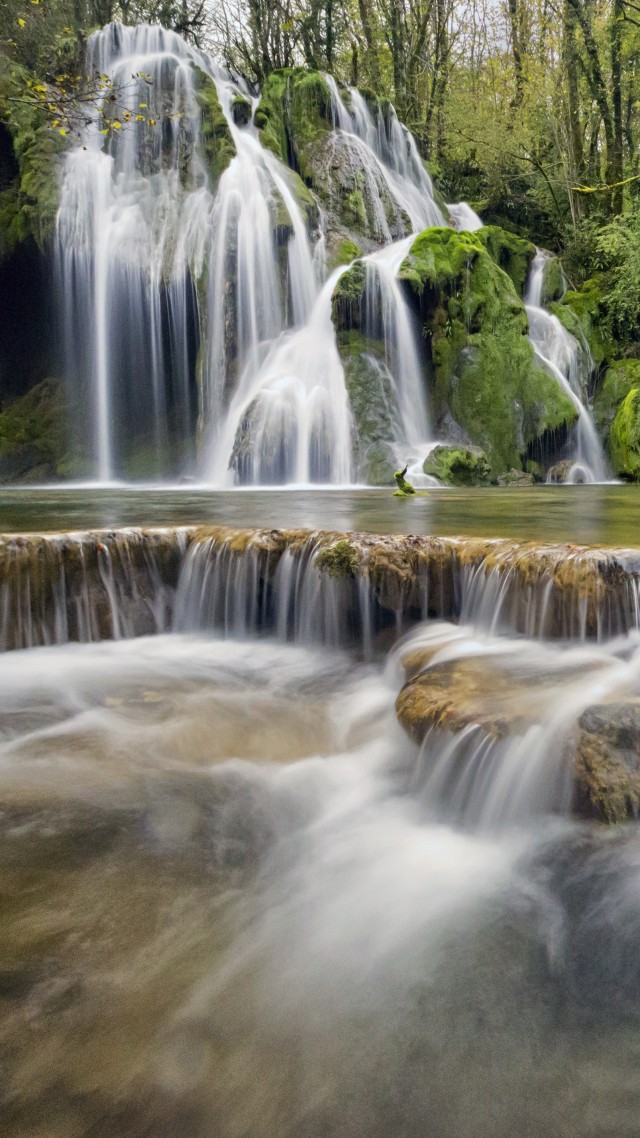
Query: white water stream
point(571, 364)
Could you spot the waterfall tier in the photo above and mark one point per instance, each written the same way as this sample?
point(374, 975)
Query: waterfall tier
point(313, 587)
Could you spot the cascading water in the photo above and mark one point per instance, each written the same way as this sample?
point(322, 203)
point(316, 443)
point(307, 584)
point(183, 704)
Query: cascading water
point(158, 265)
point(239, 900)
point(571, 364)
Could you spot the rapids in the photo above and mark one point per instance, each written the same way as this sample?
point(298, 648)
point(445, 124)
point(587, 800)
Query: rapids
point(235, 904)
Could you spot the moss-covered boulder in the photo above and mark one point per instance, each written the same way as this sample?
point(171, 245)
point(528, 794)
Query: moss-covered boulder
point(33, 435)
point(512, 253)
point(624, 438)
point(482, 367)
point(620, 378)
point(458, 466)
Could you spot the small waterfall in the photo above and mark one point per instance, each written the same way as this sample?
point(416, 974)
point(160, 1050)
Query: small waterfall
point(389, 316)
point(87, 587)
point(321, 587)
point(561, 355)
point(464, 217)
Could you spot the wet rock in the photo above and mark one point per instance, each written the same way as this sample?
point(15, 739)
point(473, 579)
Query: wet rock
point(484, 373)
point(457, 466)
point(608, 761)
point(516, 478)
point(602, 749)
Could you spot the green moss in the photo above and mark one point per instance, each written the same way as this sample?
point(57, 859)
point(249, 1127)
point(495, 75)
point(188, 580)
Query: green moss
point(513, 254)
point(620, 378)
point(348, 295)
point(294, 108)
point(347, 252)
point(553, 281)
point(579, 311)
point(339, 560)
point(624, 443)
point(484, 370)
point(215, 137)
point(458, 466)
point(241, 110)
point(404, 488)
point(353, 210)
point(33, 432)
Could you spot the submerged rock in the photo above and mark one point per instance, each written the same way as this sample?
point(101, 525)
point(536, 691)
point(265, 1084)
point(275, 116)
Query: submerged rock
point(501, 700)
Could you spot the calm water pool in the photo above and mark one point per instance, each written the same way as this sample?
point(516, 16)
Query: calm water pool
point(599, 514)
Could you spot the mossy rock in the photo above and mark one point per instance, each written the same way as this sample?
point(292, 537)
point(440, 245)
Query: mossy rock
point(554, 284)
point(624, 439)
point(456, 466)
point(484, 372)
point(241, 110)
point(518, 478)
point(374, 408)
point(295, 108)
point(342, 251)
point(215, 137)
point(513, 254)
point(579, 312)
point(33, 434)
point(620, 377)
point(339, 560)
point(295, 120)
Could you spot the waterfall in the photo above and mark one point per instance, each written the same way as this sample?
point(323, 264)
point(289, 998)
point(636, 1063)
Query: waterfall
point(189, 302)
point(320, 588)
point(464, 217)
point(561, 355)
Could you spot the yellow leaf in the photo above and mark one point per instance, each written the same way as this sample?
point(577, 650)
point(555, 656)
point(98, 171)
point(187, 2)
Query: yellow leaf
point(21, 23)
point(152, 122)
point(116, 125)
point(143, 106)
point(105, 131)
point(56, 122)
point(63, 131)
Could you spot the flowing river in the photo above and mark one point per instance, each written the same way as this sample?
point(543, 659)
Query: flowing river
point(239, 900)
